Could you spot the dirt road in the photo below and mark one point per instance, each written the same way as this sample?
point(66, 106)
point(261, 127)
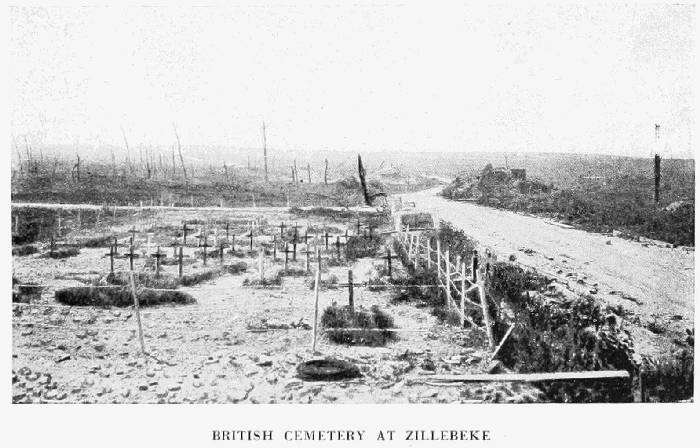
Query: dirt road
point(653, 282)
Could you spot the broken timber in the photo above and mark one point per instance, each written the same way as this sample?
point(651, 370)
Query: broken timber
point(528, 377)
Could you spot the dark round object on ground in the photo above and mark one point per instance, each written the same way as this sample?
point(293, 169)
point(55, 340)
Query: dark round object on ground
point(329, 369)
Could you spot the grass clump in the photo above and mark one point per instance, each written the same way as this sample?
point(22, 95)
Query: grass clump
point(272, 280)
point(64, 252)
point(142, 279)
point(363, 321)
point(293, 272)
point(669, 379)
point(361, 247)
point(24, 250)
point(235, 268)
point(98, 241)
point(327, 282)
point(118, 296)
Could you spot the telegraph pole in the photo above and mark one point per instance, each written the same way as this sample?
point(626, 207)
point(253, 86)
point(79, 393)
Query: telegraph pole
point(265, 150)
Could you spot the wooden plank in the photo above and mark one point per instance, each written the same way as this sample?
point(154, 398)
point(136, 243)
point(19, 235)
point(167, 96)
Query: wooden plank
point(529, 377)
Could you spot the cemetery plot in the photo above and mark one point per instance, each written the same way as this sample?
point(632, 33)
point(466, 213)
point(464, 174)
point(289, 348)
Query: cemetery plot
point(240, 331)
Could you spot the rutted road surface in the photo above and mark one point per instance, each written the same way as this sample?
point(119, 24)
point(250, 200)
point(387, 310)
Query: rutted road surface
point(655, 283)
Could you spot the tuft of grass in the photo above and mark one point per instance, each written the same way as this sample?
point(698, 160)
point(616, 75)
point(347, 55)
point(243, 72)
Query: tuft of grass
point(670, 379)
point(365, 321)
point(98, 241)
point(327, 282)
point(271, 280)
point(293, 272)
point(64, 252)
point(118, 296)
point(235, 268)
point(142, 279)
point(24, 250)
point(361, 247)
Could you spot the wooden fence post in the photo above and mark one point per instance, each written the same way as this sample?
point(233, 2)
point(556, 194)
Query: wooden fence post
point(485, 311)
point(437, 264)
point(462, 304)
point(448, 289)
point(274, 248)
point(416, 251)
point(179, 262)
point(351, 299)
point(111, 259)
point(388, 259)
point(428, 255)
point(261, 267)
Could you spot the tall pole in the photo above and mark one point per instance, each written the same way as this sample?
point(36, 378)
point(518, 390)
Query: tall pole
point(657, 177)
point(657, 163)
point(265, 150)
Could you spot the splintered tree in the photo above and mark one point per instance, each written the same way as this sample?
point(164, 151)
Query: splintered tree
point(363, 182)
point(179, 150)
point(126, 145)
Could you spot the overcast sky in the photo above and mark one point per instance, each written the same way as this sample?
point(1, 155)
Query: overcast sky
point(389, 76)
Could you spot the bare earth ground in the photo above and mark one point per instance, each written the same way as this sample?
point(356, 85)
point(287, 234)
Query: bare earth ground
point(651, 280)
point(211, 352)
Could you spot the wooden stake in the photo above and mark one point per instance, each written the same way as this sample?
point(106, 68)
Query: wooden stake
point(137, 309)
point(485, 311)
point(261, 266)
point(351, 299)
point(317, 282)
point(462, 304)
point(388, 260)
point(448, 290)
point(416, 251)
point(428, 255)
point(503, 341)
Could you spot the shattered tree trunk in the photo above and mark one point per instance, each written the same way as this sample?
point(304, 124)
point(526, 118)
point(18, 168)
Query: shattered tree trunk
point(179, 150)
point(363, 182)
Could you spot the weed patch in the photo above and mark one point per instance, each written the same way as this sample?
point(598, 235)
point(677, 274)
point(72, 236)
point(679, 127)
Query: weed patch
point(24, 250)
point(98, 241)
point(363, 321)
point(64, 252)
point(669, 379)
point(118, 296)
